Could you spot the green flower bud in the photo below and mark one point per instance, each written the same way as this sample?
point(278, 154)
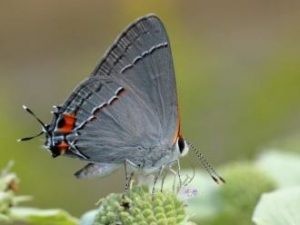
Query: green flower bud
point(138, 206)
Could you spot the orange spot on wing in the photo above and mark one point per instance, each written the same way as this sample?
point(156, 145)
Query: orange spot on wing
point(63, 146)
point(67, 123)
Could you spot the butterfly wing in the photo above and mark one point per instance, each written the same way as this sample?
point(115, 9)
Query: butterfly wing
point(96, 170)
point(129, 104)
point(141, 58)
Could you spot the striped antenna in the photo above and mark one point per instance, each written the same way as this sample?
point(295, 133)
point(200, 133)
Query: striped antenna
point(210, 170)
point(44, 126)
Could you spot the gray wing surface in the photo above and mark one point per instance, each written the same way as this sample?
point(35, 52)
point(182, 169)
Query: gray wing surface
point(141, 59)
point(112, 122)
point(129, 103)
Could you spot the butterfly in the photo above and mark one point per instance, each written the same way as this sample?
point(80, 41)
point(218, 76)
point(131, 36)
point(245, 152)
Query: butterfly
point(126, 111)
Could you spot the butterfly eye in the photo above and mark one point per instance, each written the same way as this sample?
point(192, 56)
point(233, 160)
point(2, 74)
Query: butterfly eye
point(182, 146)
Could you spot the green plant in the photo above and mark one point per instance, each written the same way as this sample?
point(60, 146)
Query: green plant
point(10, 212)
point(266, 192)
point(140, 207)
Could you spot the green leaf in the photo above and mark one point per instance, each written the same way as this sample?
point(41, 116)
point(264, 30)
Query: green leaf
point(4, 219)
point(43, 217)
point(284, 168)
point(280, 207)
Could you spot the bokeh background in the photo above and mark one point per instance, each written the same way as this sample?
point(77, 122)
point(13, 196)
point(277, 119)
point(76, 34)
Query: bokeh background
point(237, 68)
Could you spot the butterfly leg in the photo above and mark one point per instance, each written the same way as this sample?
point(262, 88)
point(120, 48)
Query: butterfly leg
point(129, 174)
point(189, 179)
point(174, 178)
point(164, 176)
point(186, 181)
point(129, 182)
point(156, 178)
point(178, 174)
point(163, 180)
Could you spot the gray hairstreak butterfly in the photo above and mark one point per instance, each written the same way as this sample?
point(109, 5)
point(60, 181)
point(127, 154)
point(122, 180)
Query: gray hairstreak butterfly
point(126, 111)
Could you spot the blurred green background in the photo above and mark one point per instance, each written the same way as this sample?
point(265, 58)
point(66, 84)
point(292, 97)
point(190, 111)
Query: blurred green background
point(237, 67)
